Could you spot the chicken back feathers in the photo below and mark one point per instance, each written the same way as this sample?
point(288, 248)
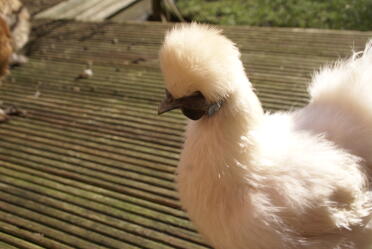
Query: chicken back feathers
point(255, 180)
point(341, 105)
point(5, 47)
point(18, 19)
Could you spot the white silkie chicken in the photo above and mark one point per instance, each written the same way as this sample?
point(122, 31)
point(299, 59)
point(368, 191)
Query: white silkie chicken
point(254, 180)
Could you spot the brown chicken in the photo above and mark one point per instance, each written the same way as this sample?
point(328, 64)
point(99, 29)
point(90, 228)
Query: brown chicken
point(5, 47)
point(17, 17)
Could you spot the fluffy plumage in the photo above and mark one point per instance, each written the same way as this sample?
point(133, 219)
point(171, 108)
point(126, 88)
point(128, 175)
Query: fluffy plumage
point(5, 47)
point(254, 180)
point(17, 18)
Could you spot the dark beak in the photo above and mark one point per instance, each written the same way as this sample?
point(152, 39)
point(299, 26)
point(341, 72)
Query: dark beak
point(194, 106)
point(168, 104)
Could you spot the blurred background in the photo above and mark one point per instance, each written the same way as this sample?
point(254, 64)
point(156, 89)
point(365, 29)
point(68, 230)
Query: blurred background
point(334, 14)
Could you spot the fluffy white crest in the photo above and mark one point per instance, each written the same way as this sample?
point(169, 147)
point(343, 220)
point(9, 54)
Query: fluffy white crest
point(198, 58)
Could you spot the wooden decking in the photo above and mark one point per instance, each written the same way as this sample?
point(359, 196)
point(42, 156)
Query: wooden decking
point(98, 10)
point(86, 10)
point(91, 165)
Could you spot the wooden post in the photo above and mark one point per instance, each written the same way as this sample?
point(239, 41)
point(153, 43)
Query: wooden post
point(156, 9)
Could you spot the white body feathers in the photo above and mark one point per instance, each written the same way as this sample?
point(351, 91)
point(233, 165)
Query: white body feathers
point(250, 180)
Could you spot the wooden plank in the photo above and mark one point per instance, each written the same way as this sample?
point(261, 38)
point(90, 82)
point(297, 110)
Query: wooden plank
point(40, 5)
point(139, 11)
point(8, 241)
point(93, 10)
point(75, 7)
point(85, 10)
point(6, 245)
point(28, 230)
point(102, 12)
point(68, 9)
point(53, 227)
point(86, 220)
point(134, 226)
point(55, 10)
point(280, 42)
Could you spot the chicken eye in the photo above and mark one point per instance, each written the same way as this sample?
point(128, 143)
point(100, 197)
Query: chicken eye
point(192, 113)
